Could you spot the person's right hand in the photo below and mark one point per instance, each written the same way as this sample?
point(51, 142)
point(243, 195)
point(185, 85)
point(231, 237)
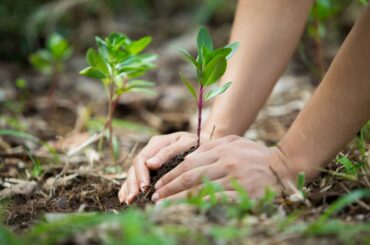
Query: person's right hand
point(158, 150)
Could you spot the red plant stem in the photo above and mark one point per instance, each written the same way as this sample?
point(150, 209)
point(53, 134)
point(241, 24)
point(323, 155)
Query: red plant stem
point(200, 107)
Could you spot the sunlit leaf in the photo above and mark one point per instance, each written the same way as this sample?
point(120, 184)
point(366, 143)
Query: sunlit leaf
point(188, 57)
point(234, 47)
point(139, 45)
point(102, 48)
point(92, 72)
point(58, 46)
point(204, 39)
point(216, 91)
point(42, 60)
point(140, 84)
point(217, 52)
point(94, 59)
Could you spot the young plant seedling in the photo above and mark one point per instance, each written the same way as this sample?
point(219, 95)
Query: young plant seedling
point(210, 64)
point(50, 60)
point(117, 63)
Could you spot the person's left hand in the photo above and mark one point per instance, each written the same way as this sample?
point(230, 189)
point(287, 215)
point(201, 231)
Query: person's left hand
point(221, 161)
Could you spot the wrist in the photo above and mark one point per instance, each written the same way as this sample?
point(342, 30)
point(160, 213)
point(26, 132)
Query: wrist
point(295, 163)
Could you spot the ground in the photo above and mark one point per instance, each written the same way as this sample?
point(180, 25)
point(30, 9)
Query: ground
point(44, 181)
point(59, 180)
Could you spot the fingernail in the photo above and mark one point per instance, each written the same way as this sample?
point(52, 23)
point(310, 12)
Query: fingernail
point(158, 185)
point(155, 197)
point(153, 161)
point(142, 186)
point(130, 197)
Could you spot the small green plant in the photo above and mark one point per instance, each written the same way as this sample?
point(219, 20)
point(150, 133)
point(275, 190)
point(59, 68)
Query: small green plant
point(50, 60)
point(210, 64)
point(117, 63)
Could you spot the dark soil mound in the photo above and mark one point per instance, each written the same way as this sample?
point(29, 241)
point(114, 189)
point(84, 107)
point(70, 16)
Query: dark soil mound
point(145, 197)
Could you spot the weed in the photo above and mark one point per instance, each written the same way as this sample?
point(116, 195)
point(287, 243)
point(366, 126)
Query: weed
point(117, 63)
point(210, 64)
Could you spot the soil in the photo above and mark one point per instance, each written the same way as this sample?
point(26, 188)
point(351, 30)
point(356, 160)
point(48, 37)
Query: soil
point(83, 194)
point(145, 197)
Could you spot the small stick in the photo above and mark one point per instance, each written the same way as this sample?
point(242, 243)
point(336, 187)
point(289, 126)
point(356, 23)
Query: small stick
point(89, 141)
point(213, 130)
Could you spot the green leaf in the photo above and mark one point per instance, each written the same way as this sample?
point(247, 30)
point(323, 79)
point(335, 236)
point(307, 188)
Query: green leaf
point(139, 45)
point(204, 39)
point(141, 83)
point(234, 47)
point(216, 91)
point(300, 181)
point(189, 86)
point(19, 134)
point(92, 72)
point(347, 164)
point(115, 40)
point(218, 52)
point(93, 58)
point(41, 60)
point(188, 57)
point(214, 70)
point(59, 47)
point(143, 90)
point(102, 48)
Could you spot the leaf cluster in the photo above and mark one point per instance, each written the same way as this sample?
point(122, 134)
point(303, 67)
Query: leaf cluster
point(57, 50)
point(118, 60)
point(210, 64)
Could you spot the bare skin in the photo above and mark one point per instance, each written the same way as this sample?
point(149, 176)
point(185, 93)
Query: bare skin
point(338, 109)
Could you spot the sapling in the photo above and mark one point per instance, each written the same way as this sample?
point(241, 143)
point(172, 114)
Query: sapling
point(210, 64)
point(118, 62)
point(50, 60)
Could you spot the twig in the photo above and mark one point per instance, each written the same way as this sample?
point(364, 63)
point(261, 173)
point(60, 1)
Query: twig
point(213, 130)
point(52, 189)
point(89, 141)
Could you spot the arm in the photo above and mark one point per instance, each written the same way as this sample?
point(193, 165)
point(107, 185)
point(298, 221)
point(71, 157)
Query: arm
point(268, 32)
point(339, 107)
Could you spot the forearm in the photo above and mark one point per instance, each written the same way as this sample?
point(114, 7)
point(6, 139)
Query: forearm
point(337, 110)
point(268, 33)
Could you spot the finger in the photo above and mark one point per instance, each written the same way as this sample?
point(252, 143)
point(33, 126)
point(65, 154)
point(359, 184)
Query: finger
point(122, 193)
point(154, 145)
point(189, 180)
point(189, 164)
point(223, 182)
point(132, 186)
point(168, 152)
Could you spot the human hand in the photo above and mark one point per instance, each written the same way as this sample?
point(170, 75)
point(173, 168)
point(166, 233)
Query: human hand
point(222, 161)
point(158, 150)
